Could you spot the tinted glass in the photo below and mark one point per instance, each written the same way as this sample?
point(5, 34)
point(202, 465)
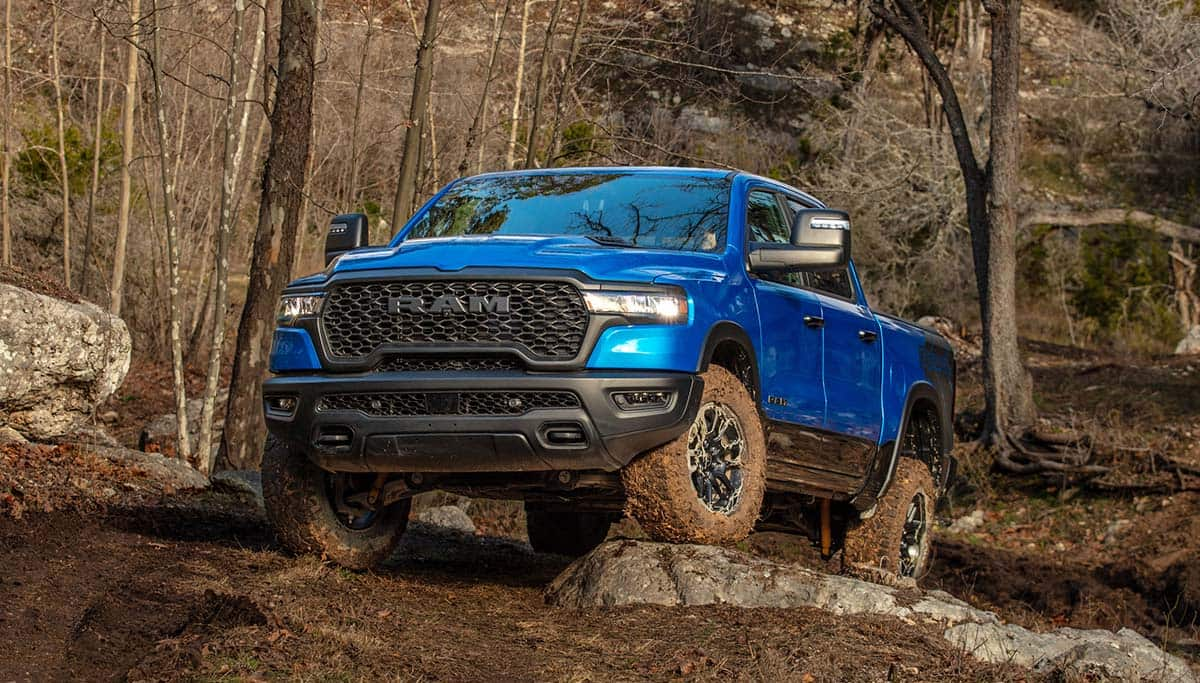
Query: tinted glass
point(659, 211)
point(765, 220)
point(835, 282)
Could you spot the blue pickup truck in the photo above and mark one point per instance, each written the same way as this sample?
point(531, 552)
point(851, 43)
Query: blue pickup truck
point(689, 347)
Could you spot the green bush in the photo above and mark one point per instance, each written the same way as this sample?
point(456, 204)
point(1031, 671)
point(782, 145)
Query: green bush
point(37, 163)
point(1125, 282)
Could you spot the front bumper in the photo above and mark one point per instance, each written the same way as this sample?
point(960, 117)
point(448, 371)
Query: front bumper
point(353, 441)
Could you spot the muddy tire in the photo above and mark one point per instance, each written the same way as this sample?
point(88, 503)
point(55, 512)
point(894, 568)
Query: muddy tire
point(897, 539)
point(298, 499)
point(564, 531)
point(707, 485)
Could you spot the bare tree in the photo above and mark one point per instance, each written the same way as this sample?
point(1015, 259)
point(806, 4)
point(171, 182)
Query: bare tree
point(359, 86)
point(514, 118)
point(543, 66)
point(97, 137)
point(275, 238)
point(991, 192)
point(565, 81)
point(406, 186)
point(6, 228)
point(60, 112)
point(183, 449)
point(231, 161)
point(500, 18)
point(127, 113)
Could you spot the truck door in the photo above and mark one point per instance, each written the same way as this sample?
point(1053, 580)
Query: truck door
point(853, 360)
point(790, 354)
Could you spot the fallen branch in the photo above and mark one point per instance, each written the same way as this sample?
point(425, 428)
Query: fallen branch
point(1087, 219)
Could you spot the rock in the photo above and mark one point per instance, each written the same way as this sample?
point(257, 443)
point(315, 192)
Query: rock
point(159, 434)
point(630, 572)
point(58, 360)
point(245, 483)
point(175, 473)
point(967, 523)
point(1189, 344)
point(449, 517)
point(698, 119)
point(1116, 530)
point(10, 435)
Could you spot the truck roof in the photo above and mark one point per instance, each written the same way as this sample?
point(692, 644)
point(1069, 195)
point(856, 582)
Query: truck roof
point(655, 170)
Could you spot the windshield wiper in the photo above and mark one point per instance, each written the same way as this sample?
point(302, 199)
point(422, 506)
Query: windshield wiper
point(611, 241)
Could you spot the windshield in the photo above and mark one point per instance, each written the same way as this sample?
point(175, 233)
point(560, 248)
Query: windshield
point(661, 211)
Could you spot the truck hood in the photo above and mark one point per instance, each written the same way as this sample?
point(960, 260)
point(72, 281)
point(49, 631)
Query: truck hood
point(597, 261)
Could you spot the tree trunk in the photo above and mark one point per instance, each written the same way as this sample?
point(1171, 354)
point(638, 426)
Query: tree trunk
point(97, 135)
point(5, 220)
point(231, 160)
point(568, 71)
point(406, 188)
point(365, 50)
point(183, 449)
point(510, 153)
point(117, 287)
point(1008, 386)
point(59, 107)
point(498, 22)
point(543, 65)
point(275, 238)
point(991, 196)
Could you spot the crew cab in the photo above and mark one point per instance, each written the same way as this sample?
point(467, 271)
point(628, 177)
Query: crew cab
point(689, 347)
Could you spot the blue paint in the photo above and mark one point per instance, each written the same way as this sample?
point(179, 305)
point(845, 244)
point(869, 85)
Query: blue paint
point(292, 350)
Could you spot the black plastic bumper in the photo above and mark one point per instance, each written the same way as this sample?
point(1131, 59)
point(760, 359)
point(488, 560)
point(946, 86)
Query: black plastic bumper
point(611, 437)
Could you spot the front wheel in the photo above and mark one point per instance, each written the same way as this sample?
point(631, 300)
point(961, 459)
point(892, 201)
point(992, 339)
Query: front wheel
point(323, 513)
point(896, 539)
point(707, 485)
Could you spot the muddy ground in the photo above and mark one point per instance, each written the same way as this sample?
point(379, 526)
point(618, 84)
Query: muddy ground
point(106, 575)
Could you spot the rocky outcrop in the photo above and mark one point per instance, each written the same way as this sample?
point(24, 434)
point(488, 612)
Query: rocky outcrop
point(636, 572)
point(58, 360)
point(1189, 345)
point(160, 434)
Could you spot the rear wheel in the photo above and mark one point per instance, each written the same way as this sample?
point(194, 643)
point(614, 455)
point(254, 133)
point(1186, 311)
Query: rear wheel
point(896, 539)
point(325, 513)
point(707, 485)
point(564, 531)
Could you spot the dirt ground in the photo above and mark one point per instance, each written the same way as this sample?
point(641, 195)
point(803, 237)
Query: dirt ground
point(105, 575)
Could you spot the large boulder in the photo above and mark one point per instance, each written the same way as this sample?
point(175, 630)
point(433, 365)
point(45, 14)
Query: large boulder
point(58, 360)
point(638, 573)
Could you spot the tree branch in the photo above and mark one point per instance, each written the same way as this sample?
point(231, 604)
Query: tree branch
point(1086, 219)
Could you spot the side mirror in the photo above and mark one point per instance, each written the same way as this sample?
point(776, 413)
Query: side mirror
point(820, 241)
point(346, 232)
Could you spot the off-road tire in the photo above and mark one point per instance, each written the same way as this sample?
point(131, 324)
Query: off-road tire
point(659, 492)
point(304, 520)
point(873, 545)
point(564, 531)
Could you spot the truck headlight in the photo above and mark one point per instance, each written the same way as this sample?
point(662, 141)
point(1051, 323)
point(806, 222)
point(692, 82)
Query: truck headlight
point(653, 306)
point(294, 307)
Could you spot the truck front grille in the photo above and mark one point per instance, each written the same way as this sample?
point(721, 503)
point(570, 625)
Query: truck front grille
point(451, 364)
point(545, 320)
point(475, 403)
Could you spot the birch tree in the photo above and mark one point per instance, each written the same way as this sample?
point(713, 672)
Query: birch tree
point(183, 449)
point(498, 21)
point(97, 138)
point(275, 237)
point(543, 66)
point(510, 153)
point(564, 83)
point(117, 287)
point(60, 113)
point(351, 197)
point(231, 161)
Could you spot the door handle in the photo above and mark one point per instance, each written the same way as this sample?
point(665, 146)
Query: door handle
point(867, 336)
point(815, 322)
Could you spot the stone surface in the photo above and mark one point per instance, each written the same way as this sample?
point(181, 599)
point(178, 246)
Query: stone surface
point(58, 360)
point(1190, 344)
point(635, 572)
point(245, 483)
point(967, 523)
point(449, 517)
point(175, 473)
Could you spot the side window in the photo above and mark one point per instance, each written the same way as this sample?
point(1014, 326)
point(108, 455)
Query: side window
point(765, 219)
point(835, 282)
